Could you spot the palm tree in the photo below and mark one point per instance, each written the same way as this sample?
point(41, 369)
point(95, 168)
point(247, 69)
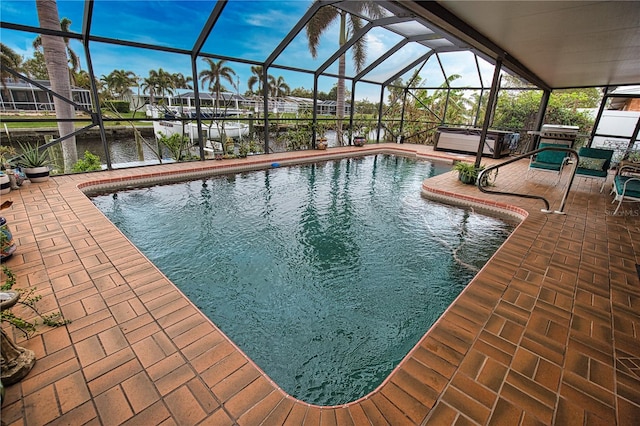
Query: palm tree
point(55, 54)
point(83, 80)
point(165, 83)
point(278, 88)
point(74, 60)
point(119, 82)
point(150, 85)
point(349, 25)
point(214, 75)
point(181, 82)
point(11, 59)
point(257, 77)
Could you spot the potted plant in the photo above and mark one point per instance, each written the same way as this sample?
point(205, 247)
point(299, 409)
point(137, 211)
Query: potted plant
point(35, 163)
point(5, 183)
point(321, 144)
point(359, 140)
point(5, 172)
point(467, 172)
point(321, 139)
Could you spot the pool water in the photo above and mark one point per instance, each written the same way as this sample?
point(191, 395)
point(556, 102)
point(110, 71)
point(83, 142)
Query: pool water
point(326, 274)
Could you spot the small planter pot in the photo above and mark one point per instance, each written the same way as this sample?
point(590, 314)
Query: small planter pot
point(5, 184)
point(322, 144)
point(37, 174)
point(359, 141)
point(467, 179)
point(8, 244)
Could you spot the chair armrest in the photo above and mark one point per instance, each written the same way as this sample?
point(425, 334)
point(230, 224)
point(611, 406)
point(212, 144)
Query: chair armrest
point(629, 168)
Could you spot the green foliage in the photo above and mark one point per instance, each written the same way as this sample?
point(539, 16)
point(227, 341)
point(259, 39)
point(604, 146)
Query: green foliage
point(468, 173)
point(301, 92)
point(633, 156)
point(33, 156)
point(296, 138)
point(177, 145)
point(252, 145)
point(243, 151)
point(10, 279)
point(255, 147)
point(27, 298)
point(366, 107)
point(89, 163)
point(36, 67)
point(6, 152)
point(518, 109)
point(119, 106)
point(229, 145)
point(466, 169)
point(320, 128)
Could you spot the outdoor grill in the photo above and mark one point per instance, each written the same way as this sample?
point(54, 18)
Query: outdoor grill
point(559, 134)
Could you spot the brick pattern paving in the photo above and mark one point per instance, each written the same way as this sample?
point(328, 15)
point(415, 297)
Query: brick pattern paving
point(547, 333)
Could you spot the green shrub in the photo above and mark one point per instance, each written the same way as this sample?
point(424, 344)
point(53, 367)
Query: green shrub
point(177, 145)
point(119, 106)
point(89, 163)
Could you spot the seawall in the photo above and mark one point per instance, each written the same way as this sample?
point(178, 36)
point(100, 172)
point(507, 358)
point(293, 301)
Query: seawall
point(42, 134)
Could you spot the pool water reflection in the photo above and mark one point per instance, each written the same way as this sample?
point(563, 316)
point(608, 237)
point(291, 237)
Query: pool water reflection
point(326, 275)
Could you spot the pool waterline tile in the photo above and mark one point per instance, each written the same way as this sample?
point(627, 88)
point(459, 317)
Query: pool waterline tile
point(62, 212)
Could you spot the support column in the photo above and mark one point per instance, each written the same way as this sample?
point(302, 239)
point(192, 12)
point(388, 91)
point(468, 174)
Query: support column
point(488, 115)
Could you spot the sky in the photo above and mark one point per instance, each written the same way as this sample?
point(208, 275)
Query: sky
point(247, 29)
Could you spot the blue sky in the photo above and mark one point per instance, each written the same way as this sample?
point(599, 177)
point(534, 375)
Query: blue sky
point(246, 29)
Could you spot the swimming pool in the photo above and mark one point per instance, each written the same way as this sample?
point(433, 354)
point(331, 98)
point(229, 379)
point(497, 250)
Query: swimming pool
point(325, 274)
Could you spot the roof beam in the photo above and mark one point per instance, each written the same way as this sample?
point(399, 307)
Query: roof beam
point(408, 67)
point(357, 36)
point(381, 59)
point(447, 21)
point(294, 31)
point(208, 26)
point(86, 21)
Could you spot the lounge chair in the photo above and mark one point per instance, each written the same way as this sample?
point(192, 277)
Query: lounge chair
point(626, 185)
point(594, 163)
point(548, 161)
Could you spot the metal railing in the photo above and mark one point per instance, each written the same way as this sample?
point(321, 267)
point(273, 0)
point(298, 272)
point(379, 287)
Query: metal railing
point(482, 181)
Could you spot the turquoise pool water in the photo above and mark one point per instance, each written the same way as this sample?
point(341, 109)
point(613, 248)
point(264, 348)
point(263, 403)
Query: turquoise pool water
point(326, 275)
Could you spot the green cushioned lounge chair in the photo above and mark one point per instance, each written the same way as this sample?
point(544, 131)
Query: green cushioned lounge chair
point(548, 161)
point(594, 163)
point(626, 187)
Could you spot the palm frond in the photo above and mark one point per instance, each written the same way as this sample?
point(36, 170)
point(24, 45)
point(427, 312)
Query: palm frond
point(317, 25)
point(360, 46)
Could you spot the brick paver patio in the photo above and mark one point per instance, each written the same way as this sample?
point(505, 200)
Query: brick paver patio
point(547, 333)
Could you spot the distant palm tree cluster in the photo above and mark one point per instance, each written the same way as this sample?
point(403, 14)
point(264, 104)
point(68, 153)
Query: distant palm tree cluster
point(160, 83)
point(275, 87)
